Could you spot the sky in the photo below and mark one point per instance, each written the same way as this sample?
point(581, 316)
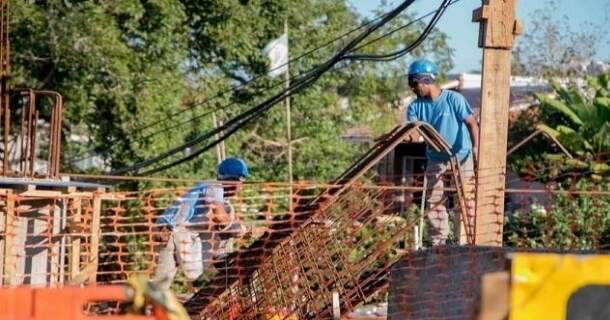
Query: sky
point(463, 34)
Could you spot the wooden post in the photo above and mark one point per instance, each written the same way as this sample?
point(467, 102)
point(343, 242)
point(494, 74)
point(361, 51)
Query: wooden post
point(9, 239)
point(495, 296)
point(220, 148)
point(75, 240)
point(288, 121)
point(498, 28)
point(55, 254)
point(95, 235)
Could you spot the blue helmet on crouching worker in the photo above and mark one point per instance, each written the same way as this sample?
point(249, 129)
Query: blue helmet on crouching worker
point(233, 169)
point(422, 71)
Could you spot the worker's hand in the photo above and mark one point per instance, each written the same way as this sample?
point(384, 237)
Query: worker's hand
point(163, 234)
point(219, 216)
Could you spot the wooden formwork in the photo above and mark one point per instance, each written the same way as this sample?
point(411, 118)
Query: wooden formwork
point(49, 231)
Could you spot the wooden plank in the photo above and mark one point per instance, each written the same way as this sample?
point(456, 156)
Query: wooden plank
point(492, 147)
point(113, 196)
point(495, 98)
point(39, 253)
point(65, 262)
point(495, 293)
point(95, 235)
point(56, 248)
point(63, 245)
point(41, 193)
point(19, 257)
point(81, 194)
point(75, 241)
point(9, 260)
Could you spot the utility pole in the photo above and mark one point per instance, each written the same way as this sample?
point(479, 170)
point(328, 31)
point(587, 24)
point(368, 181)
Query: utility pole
point(5, 70)
point(498, 28)
point(288, 117)
point(220, 148)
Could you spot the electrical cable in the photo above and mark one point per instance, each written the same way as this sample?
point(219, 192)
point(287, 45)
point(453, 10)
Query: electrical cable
point(222, 93)
point(239, 121)
point(179, 124)
point(400, 53)
point(410, 23)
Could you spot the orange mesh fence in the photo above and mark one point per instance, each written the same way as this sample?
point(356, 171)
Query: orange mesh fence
point(133, 230)
point(275, 257)
point(46, 240)
point(442, 282)
point(353, 235)
point(446, 282)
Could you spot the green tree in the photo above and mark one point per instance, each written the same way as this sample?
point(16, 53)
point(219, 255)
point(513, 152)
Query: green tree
point(580, 119)
point(585, 125)
point(566, 221)
point(123, 65)
point(577, 115)
point(552, 47)
point(118, 65)
point(319, 117)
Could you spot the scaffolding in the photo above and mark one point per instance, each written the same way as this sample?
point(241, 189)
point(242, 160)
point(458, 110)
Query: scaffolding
point(39, 210)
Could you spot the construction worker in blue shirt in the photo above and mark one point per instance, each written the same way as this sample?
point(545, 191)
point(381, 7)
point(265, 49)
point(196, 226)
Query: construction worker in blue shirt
point(191, 228)
point(451, 115)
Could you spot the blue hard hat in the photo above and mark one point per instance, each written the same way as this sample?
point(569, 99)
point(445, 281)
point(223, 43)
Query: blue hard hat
point(232, 168)
point(423, 66)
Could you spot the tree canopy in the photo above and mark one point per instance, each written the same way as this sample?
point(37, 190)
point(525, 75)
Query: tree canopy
point(553, 47)
point(139, 77)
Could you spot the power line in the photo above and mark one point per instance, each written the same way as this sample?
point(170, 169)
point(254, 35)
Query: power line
point(400, 53)
point(179, 124)
point(260, 76)
point(386, 57)
point(202, 137)
point(87, 153)
point(404, 26)
point(237, 122)
point(234, 124)
point(254, 115)
point(199, 116)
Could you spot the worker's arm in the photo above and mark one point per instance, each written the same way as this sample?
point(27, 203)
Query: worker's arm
point(473, 128)
point(168, 219)
point(464, 112)
point(412, 113)
point(220, 217)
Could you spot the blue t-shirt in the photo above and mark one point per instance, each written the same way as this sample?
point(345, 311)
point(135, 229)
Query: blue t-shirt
point(193, 206)
point(446, 114)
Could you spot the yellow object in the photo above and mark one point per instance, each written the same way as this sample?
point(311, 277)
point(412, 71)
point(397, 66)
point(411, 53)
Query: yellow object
point(147, 292)
point(279, 315)
point(542, 284)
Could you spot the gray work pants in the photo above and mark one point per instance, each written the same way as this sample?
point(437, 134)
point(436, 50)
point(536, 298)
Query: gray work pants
point(436, 211)
point(192, 251)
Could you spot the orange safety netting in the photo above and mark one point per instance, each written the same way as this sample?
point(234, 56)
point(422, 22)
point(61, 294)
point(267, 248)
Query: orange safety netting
point(306, 250)
point(282, 261)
